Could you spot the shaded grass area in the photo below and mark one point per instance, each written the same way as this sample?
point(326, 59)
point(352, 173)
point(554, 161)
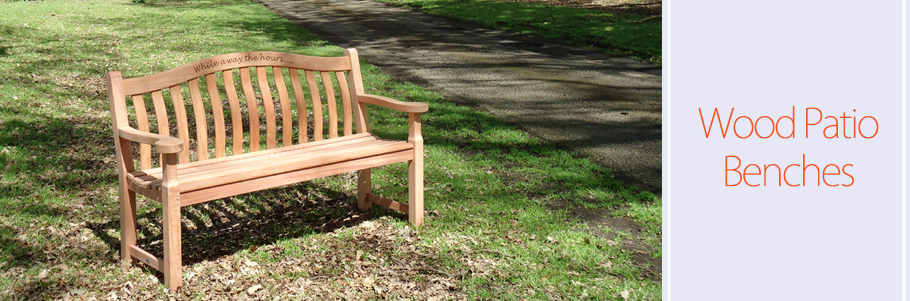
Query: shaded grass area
point(491, 229)
point(615, 33)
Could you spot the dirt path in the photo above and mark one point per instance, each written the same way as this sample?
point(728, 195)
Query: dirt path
point(606, 108)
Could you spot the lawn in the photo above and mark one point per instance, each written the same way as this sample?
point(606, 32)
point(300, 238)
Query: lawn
point(499, 202)
point(625, 34)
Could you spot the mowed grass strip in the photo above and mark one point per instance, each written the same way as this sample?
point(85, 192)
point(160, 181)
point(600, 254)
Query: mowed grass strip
point(625, 34)
point(492, 228)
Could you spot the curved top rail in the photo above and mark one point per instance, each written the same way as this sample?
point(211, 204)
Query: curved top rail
point(145, 84)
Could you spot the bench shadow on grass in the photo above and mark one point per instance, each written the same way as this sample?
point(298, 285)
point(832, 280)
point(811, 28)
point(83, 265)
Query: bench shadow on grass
point(224, 227)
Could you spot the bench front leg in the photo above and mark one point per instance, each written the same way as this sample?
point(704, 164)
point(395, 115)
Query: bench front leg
point(415, 171)
point(170, 205)
point(127, 221)
point(124, 154)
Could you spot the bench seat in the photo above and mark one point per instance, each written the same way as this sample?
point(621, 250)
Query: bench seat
point(228, 176)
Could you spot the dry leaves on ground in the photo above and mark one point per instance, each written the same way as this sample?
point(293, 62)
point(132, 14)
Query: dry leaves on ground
point(371, 260)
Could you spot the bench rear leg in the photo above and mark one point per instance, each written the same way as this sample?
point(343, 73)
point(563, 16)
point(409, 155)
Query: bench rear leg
point(127, 223)
point(364, 188)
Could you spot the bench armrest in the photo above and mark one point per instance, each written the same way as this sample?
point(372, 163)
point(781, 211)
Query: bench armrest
point(408, 107)
point(163, 144)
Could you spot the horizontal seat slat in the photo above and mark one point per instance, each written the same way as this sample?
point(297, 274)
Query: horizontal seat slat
point(234, 171)
point(285, 162)
point(216, 192)
point(221, 171)
point(338, 141)
point(215, 163)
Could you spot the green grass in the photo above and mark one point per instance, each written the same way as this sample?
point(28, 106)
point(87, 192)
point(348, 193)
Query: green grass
point(491, 189)
point(620, 34)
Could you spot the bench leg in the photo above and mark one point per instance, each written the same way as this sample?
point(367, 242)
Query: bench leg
point(415, 171)
point(364, 188)
point(170, 225)
point(127, 223)
point(415, 191)
point(173, 276)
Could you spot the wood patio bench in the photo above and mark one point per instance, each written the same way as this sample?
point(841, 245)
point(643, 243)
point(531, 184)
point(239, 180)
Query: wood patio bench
point(242, 85)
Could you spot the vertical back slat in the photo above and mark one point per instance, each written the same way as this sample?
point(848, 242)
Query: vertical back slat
point(161, 113)
point(333, 107)
point(269, 107)
point(202, 138)
point(236, 118)
point(345, 101)
point(254, 110)
point(301, 106)
point(317, 105)
point(218, 112)
point(182, 128)
point(161, 116)
point(286, 120)
point(142, 120)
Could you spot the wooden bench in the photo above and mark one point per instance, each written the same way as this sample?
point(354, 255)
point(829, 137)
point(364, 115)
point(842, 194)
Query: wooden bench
point(314, 143)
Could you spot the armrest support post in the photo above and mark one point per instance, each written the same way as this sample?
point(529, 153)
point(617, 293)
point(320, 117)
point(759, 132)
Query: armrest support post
point(415, 171)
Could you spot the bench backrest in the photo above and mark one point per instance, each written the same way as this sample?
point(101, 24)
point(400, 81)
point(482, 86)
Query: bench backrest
point(219, 106)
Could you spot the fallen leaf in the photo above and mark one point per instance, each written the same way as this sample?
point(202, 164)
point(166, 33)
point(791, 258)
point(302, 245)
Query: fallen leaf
point(625, 294)
point(250, 262)
point(253, 289)
point(514, 222)
point(367, 281)
point(77, 292)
